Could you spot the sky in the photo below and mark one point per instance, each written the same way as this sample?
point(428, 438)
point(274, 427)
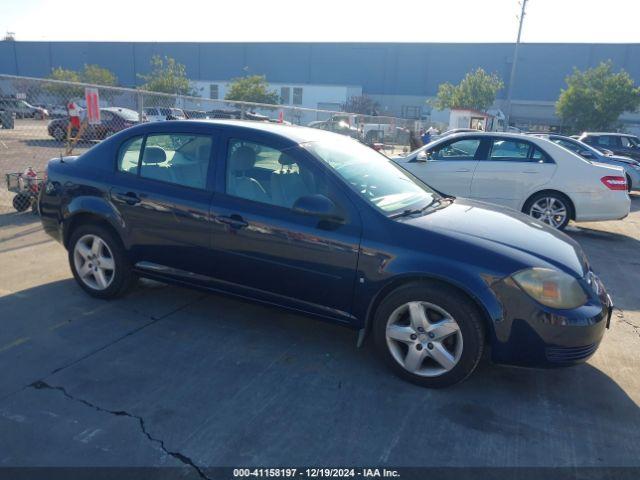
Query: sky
point(610, 21)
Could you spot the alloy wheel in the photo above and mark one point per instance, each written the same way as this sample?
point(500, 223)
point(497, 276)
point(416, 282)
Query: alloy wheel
point(424, 339)
point(549, 210)
point(94, 262)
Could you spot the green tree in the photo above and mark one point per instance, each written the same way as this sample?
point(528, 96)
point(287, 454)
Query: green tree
point(98, 75)
point(595, 99)
point(64, 92)
point(252, 88)
point(167, 76)
point(477, 91)
point(361, 104)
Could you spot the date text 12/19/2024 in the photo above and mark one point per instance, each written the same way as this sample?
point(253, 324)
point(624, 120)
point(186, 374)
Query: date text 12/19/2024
point(315, 473)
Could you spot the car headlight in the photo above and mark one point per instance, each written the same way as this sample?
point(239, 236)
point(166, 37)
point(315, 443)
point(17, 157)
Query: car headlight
point(551, 287)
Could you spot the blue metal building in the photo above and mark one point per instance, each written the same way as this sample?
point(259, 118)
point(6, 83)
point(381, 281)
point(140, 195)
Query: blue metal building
point(391, 72)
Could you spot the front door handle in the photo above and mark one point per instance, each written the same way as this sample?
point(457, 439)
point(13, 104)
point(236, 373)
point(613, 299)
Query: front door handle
point(234, 221)
point(463, 170)
point(129, 198)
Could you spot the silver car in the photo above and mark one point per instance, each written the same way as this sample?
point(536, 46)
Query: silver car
point(631, 167)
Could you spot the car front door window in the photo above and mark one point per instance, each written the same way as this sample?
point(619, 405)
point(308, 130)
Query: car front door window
point(458, 150)
point(266, 245)
point(264, 174)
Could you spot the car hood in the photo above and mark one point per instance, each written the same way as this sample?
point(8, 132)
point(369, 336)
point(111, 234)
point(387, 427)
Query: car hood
point(507, 231)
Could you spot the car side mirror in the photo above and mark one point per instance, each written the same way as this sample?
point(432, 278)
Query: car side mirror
point(317, 206)
point(423, 156)
point(586, 154)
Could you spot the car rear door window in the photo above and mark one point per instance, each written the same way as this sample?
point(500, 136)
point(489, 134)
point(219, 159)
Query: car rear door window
point(129, 155)
point(509, 150)
point(178, 158)
point(458, 150)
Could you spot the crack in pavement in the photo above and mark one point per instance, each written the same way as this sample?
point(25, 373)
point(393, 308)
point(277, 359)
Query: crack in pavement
point(622, 319)
point(41, 385)
point(153, 321)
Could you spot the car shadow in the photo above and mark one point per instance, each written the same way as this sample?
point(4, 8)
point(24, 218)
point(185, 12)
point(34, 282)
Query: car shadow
point(226, 380)
point(635, 201)
point(14, 218)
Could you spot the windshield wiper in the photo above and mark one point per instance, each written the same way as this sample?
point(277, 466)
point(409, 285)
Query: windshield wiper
point(435, 203)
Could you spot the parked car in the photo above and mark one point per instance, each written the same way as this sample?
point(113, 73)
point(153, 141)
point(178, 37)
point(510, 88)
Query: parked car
point(340, 126)
point(321, 224)
point(526, 173)
point(222, 113)
point(630, 166)
point(112, 120)
point(618, 143)
point(196, 114)
point(22, 109)
point(58, 111)
point(161, 114)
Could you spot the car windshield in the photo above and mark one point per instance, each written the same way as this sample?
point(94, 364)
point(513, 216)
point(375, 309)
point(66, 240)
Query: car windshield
point(376, 178)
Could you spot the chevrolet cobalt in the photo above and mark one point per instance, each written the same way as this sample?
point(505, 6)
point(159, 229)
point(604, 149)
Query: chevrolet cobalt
point(320, 224)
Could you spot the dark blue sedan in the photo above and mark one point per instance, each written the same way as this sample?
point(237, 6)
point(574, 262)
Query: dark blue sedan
point(320, 224)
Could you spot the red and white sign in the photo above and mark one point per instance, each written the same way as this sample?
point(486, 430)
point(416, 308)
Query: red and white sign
point(93, 105)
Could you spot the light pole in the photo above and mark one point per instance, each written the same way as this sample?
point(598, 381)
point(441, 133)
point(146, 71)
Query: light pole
point(512, 77)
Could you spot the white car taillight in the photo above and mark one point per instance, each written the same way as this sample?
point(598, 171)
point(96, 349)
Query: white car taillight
point(614, 182)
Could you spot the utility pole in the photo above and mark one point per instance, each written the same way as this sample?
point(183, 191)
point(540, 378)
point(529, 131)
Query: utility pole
point(512, 77)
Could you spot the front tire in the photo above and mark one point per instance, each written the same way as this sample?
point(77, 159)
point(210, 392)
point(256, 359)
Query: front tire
point(98, 262)
point(429, 334)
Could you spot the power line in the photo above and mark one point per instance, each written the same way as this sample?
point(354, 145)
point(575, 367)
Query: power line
point(514, 64)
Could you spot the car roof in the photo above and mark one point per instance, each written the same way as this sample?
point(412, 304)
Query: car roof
point(479, 133)
point(294, 133)
point(117, 109)
point(612, 134)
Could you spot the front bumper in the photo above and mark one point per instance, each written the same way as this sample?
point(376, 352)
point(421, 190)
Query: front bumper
point(530, 334)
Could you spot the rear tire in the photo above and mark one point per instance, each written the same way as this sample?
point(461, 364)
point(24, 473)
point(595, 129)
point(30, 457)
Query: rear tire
point(552, 208)
point(59, 134)
point(98, 262)
point(448, 346)
point(629, 186)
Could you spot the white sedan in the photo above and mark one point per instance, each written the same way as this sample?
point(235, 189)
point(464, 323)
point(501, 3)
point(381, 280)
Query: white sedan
point(529, 174)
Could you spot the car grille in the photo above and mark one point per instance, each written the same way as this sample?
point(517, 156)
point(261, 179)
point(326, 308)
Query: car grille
point(570, 354)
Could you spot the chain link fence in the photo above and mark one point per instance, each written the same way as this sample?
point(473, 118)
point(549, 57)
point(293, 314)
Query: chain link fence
point(35, 124)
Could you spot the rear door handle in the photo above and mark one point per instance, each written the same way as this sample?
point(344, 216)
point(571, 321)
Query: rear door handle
point(529, 171)
point(462, 170)
point(234, 221)
point(129, 198)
